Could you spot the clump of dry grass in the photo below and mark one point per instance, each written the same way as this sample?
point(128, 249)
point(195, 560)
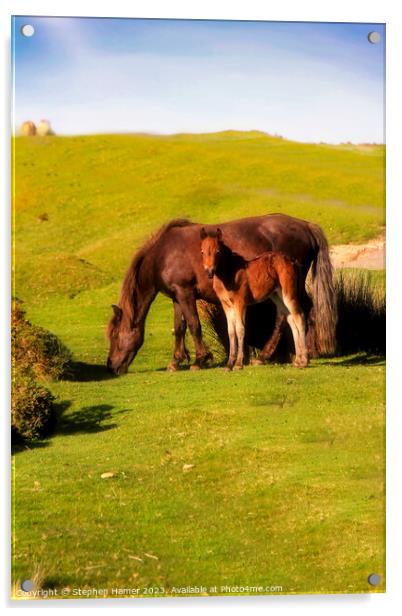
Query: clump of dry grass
point(37, 578)
point(361, 309)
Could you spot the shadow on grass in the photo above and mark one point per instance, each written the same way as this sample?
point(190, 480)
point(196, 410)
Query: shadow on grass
point(357, 360)
point(182, 368)
point(52, 583)
point(88, 419)
point(82, 372)
point(19, 445)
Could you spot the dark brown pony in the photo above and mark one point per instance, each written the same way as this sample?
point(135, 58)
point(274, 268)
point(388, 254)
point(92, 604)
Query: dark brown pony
point(239, 283)
point(170, 263)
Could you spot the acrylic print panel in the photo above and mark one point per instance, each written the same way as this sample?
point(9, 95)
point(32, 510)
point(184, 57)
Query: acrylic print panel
point(174, 168)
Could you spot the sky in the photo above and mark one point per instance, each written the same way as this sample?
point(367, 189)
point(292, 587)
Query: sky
point(310, 82)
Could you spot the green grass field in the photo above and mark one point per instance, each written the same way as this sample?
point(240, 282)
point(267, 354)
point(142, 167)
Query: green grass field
point(271, 477)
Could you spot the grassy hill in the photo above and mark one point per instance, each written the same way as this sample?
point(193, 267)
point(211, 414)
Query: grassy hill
point(269, 477)
point(103, 195)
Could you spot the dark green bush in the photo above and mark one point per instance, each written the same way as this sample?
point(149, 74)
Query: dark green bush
point(35, 348)
point(31, 407)
point(36, 355)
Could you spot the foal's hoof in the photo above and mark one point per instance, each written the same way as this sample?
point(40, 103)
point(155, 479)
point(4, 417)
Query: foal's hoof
point(227, 369)
point(256, 361)
point(195, 367)
point(238, 367)
point(300, 363)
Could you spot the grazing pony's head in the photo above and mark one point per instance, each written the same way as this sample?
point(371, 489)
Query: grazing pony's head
point(125, 340)
point(211, 246)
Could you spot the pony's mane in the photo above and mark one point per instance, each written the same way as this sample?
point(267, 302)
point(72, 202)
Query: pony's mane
point(127, 299)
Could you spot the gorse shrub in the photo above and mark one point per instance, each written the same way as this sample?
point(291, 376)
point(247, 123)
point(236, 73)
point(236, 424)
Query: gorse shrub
point(36, 355)
point(36, 349)
point(31, 407)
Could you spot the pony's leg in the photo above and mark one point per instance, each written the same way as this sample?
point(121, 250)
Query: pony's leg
point(271, 345)
point(240, 314)
point(188, 306)
point(180, 351)
point(231, 321)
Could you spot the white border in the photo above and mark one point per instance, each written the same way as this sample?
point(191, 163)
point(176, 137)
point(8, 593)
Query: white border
point(290, 10)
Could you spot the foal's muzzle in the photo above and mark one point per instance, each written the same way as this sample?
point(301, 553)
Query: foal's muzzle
point(210, 271)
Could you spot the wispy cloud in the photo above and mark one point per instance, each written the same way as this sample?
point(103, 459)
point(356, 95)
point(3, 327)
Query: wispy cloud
point(204, 78)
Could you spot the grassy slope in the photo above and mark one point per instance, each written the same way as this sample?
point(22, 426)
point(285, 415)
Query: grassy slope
point(287, 484)
point(104, 194)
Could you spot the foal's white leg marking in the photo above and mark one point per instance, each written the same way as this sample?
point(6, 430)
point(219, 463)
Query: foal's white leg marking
point(286, 308)
point(300, 327)
point(240, 329)
point(300, 322)
point(231, 322)
point(296, 336)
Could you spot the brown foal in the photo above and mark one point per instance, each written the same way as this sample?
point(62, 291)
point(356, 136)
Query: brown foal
point(239, 283)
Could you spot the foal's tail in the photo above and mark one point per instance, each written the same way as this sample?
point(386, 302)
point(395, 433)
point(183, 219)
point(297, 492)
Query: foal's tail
point(324, 297)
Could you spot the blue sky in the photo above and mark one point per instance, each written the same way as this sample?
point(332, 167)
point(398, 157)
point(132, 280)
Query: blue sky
point(305, 81)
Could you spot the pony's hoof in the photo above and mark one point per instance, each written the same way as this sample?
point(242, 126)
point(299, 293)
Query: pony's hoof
point(238, 367)
point(195, 367)
point(227, 369)
point(172, 367)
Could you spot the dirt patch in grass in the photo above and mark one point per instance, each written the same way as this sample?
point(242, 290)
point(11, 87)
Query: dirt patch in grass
point(370, 255)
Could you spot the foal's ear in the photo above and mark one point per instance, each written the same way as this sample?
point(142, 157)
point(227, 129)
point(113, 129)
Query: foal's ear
point(203, 233)
point(219, 234)
point(118, 313)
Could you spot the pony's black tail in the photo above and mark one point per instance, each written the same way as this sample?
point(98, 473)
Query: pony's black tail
point(322, 333)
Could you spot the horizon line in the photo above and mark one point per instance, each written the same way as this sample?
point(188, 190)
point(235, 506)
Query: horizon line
point(17, 133)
